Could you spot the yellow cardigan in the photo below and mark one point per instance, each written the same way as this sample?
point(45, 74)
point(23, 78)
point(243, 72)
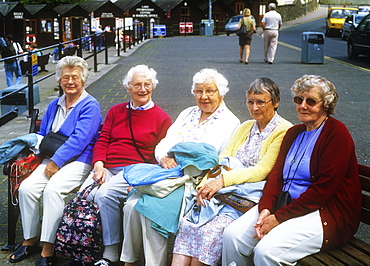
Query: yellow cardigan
point(269, 152)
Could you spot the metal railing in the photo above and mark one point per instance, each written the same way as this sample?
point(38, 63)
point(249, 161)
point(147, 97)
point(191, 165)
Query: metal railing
point(87, 42)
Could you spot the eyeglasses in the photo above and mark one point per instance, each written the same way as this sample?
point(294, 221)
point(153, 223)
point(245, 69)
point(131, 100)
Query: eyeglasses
point(259, 103)
point(138, 86)
point(309, 101)
point(208, 92)
point(67, 78)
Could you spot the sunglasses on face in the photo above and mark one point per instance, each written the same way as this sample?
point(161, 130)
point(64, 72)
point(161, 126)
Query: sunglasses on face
point(309, 101)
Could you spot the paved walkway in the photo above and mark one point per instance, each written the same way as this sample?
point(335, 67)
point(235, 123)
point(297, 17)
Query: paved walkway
point(177, 59)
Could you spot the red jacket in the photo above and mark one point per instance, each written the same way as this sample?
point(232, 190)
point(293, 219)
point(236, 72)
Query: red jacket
point(335, 190)
point(115, 146)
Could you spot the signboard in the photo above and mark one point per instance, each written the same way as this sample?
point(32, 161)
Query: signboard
point(159, 30)
point(35, 65)
point(144, 12)
point(186, 27)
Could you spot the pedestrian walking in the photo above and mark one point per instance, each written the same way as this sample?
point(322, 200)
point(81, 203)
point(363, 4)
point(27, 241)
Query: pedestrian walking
point(271, 23)
point(12, 66)
point(246, 39)
point(99, 37)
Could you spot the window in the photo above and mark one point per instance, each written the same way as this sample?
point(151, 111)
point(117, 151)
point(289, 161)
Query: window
point(46, 25)
point(185, 11)
point(239, 6)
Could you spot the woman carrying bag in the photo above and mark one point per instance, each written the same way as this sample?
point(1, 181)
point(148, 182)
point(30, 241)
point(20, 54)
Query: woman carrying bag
point(245, 39)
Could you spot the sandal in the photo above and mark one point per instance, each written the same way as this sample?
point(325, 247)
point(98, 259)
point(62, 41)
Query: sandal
point(46, 261)
point(23, 252)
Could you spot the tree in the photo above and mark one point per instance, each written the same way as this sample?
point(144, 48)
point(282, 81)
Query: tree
point(52, 3)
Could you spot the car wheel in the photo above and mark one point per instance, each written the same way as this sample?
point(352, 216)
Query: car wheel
point(351, 51)
point(328, 32)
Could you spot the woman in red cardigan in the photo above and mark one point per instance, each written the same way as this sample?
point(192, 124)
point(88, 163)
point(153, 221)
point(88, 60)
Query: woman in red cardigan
point(317, 166)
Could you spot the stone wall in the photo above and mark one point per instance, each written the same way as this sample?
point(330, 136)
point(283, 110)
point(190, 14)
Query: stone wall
point(291, 12)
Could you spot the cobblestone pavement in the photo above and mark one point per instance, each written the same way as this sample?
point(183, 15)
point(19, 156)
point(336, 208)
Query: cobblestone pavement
point(177, 59)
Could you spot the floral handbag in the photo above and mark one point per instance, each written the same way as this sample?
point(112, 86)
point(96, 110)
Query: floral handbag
point(20, 169)
point(79, 235)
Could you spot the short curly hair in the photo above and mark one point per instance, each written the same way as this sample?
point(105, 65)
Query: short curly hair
point(207, 74)
point(72, 62)
point(328, 91)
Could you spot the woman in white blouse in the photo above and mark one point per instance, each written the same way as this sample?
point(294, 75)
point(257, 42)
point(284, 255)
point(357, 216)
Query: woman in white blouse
point(210, 121)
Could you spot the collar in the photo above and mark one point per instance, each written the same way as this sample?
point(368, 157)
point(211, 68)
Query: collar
point(147, 106)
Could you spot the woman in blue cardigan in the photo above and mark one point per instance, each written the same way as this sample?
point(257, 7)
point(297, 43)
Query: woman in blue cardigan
point(76, 115)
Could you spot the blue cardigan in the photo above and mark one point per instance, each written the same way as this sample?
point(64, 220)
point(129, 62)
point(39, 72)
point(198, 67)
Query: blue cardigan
point(81, 126)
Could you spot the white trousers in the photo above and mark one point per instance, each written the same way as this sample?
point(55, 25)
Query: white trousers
point(270, 41)
point(53, 190)
point(138, 234)
point(110, 197)
point(284, 245)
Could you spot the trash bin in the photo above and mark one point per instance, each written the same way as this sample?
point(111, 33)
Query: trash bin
point(19, 99)
point(312, 47)
point(202, 29)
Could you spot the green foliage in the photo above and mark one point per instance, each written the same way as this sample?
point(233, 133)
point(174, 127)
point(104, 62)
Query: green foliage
point(52, 3)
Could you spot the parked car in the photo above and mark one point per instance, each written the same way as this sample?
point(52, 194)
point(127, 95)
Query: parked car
point(232, 25)
point(364, 9)
point(335, 18)
point(350, 23)
point(359, 39)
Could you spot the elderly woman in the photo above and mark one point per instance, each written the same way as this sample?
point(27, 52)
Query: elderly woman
point(209, 122)
point(255, 145)
point(75, 115)
point(246, 39)
point(129, 135)
point(317, 166)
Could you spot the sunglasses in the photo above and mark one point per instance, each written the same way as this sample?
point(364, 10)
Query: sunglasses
point(309, 101)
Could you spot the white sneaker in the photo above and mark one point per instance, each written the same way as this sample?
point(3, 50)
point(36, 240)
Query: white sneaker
point(102, 262)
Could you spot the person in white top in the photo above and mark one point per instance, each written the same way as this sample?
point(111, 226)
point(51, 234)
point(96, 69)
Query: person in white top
point(211, 122)
point(271, 23)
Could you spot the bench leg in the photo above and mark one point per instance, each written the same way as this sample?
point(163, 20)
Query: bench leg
point(13, 214)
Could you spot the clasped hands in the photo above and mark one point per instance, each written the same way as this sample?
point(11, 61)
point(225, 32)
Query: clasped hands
point(265, 223)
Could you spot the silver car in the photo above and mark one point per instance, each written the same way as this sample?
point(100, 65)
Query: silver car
point(232, 25)
point(351, 23)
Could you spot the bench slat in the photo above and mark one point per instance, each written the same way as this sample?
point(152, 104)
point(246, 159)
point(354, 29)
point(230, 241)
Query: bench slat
point(326, 259)
point(361, 245)
point(353, 252)
point(310, 260)
point(343, 257)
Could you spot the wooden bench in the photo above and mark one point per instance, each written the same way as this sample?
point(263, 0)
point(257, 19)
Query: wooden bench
point(42, 61)
point(355, 252)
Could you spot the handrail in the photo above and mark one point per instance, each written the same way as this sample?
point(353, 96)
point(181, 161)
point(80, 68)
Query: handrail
point(81, 43)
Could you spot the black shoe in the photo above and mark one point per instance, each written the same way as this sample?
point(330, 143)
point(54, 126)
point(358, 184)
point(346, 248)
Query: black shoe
point(46, 261)
point(24, 252)
point(76, 263)
point(270, 63)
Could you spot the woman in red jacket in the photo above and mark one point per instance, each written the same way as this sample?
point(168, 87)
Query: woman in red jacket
point(317, 166)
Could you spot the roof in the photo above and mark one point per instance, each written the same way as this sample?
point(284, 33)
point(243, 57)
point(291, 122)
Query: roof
point(91, 6)
point(5, 8)
point(64, 8)
point(126, 5)
point(167, 5)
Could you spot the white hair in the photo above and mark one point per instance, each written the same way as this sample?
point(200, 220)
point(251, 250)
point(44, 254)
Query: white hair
point(149, 73)
point(272, 6)
point(72, 62)
point(208, 74)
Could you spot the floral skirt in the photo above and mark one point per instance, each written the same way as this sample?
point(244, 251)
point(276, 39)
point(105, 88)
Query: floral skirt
point(204, 242)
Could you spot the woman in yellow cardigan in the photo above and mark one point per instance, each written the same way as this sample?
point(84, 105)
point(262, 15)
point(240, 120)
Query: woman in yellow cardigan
point(253, 149)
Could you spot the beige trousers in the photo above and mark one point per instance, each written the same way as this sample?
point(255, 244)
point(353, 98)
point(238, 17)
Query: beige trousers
point(52, 191)
point(138, 235)
point(270, 41)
